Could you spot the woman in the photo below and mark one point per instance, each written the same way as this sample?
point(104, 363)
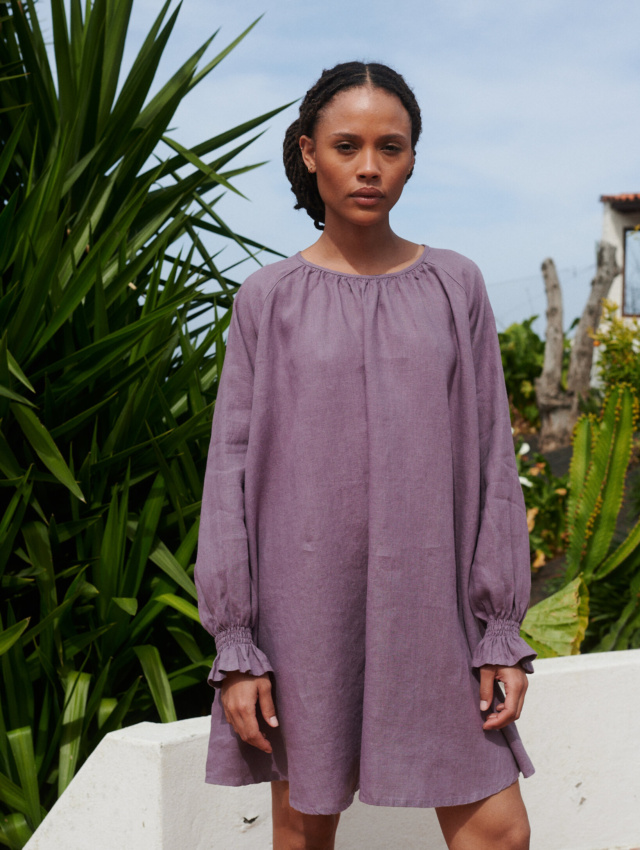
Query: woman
point(363, 560)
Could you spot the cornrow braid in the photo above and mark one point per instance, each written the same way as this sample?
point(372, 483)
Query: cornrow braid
point(346, 75)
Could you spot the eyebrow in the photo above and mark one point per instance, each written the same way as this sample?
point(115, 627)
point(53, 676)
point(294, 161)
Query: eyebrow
point(385, 137)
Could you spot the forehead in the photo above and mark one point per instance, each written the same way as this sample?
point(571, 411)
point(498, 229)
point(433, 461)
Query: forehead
point(363, 106)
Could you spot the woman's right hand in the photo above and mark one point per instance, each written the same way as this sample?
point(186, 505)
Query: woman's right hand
point(240, 692)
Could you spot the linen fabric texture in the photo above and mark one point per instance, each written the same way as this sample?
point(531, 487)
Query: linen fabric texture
point(363, 536)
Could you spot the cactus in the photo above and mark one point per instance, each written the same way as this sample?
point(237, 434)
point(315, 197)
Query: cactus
point(601, 453)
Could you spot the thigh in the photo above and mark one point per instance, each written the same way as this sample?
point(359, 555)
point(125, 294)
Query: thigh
point(292, 828)
point(498, 822)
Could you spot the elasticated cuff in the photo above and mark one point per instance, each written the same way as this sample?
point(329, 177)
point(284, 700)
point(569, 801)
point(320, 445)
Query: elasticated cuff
point(503, 645)
point(237, 651)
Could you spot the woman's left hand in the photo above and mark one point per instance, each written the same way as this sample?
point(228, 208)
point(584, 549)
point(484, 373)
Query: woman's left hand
point(515, 684)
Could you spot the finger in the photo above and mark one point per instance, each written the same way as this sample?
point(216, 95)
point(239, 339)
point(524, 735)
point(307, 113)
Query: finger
point(249, 730)
point(487, 678)
point(507, 711)
point(267, 707)
point(521, 703)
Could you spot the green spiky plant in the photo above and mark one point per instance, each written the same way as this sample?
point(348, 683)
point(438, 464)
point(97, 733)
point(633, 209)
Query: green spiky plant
point(601, 453)
point(106, 389)
point(602, 448)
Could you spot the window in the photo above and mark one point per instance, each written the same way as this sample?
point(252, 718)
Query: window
point(631, 297)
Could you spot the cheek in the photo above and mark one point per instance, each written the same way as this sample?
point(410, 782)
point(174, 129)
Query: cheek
point(330, 178)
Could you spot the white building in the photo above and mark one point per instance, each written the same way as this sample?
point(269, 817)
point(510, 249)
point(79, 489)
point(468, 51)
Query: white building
point(621, 227)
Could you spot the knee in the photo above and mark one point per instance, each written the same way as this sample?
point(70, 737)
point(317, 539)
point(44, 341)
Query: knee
point(518, 836)
point(314, 835)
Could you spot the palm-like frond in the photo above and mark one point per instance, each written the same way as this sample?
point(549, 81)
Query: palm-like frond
point(106, 386)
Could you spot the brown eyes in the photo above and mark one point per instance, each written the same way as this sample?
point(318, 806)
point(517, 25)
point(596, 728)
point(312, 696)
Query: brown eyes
point(347, 147)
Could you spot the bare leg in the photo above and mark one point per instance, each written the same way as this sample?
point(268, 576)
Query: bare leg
point(294, 830)
point(498, 822)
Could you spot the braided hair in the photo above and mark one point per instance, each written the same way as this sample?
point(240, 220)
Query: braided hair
point(346, 75)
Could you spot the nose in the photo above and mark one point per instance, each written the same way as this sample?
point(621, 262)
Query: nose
point(368, 166)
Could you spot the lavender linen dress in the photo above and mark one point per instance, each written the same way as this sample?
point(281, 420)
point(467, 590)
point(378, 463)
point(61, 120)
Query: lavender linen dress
point(364, 535)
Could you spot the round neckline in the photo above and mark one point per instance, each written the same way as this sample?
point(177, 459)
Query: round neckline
point(408, 268)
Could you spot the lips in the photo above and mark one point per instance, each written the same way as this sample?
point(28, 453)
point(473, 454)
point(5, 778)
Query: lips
point(371, 192)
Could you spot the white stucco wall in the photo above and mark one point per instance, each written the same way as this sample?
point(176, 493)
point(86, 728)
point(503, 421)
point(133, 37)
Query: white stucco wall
point(143, 787)
point(613, 227)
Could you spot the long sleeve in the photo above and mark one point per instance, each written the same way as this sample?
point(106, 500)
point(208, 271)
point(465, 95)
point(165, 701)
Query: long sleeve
point(224, 577)
point(500, 580)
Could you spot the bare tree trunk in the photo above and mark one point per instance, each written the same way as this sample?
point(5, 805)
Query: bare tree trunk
point(553, 403)
point(559, 408)
point(581, 361)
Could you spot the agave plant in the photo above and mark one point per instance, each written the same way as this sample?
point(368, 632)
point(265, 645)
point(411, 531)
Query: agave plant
point(106, 388)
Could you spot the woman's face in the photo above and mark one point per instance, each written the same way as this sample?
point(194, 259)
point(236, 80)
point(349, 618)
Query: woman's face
point(361, 153)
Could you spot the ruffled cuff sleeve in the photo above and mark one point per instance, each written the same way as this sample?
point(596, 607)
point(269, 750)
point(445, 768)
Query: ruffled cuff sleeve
point(503, 645)
point(500, 576)
point(237, 651)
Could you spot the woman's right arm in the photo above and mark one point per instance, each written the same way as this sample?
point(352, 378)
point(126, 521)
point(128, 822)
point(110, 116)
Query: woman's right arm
point(227, 602)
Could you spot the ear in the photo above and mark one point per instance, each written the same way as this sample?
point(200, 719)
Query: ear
point(308, 150)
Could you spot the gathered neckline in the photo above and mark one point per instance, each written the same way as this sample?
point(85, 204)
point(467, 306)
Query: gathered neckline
point(406, 269)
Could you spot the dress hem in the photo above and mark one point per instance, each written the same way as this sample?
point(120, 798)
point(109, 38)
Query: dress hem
point(429, 803)
point(377, 801)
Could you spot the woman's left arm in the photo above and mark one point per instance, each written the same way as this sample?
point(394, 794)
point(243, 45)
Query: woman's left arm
point(500, 580)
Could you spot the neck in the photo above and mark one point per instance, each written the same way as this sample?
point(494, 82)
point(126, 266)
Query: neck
point(364, 250)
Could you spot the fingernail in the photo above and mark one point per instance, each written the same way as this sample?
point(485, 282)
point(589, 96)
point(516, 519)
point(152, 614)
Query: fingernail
point(484, 705)
point(273, 721)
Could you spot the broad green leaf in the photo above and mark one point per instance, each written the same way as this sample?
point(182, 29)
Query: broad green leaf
point(158, 682)
point(557, 625)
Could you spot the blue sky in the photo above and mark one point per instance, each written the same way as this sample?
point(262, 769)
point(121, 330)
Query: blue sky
point(530, 113)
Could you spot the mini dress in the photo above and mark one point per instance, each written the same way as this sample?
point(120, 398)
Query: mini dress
point(363, 535)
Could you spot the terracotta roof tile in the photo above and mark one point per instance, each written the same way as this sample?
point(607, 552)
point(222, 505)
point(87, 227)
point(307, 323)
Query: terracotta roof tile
point(628, 197)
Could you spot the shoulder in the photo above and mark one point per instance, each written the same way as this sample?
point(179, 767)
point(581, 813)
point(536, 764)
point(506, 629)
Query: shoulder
point(260, 283)
point(460, 269)
point(254, 291)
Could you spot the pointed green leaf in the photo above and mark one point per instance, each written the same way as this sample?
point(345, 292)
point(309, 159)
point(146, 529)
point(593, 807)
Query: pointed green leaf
point(179, 604)
point(21, 742)
point(76, 694)
point(9, 636)
point(158, 681)
point(126, 604)
point(44, 446)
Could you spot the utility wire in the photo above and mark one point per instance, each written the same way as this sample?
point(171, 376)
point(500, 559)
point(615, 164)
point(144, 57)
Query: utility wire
point(569, 269)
